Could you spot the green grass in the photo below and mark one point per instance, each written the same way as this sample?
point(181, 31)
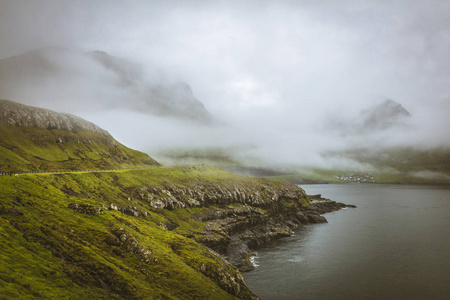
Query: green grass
point(30, 149)
point(50, 251)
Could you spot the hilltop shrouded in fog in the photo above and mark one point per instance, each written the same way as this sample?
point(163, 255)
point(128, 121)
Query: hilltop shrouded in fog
point(262, 83)
point(71, 80)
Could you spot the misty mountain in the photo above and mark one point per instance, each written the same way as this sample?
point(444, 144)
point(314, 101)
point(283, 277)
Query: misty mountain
point(384, 115)
point(74, 81)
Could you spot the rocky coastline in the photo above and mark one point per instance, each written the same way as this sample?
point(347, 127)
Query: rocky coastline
point(240, 218)
point(236, 232)
point(153, 221)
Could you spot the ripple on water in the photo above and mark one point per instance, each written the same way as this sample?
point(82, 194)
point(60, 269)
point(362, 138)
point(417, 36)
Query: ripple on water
point(296, 259)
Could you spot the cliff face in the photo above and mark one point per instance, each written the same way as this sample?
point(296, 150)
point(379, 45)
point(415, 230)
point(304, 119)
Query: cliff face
point(240, 216)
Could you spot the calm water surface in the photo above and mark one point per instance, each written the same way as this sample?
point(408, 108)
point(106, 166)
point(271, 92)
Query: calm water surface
point(395, 245)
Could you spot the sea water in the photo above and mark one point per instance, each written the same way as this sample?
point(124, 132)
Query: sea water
point(394, 245)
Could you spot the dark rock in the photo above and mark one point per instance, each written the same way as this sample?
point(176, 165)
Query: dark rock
point(230, 281)
point(316, 218)
point(132, 211)
point(85, 209)
point(169, 225)
point(130, 244)
point(234, 231)
point(112, 240)
point(301, 217)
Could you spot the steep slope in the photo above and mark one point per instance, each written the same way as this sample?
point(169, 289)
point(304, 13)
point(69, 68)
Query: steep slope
point(141, 234)
point(58, 239)
point(34, 139)
point(155, 233)
point(65, 79)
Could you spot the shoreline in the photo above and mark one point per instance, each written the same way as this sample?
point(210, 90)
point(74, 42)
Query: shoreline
point(240, 237)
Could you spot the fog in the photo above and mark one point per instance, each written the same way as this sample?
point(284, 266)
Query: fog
point(286, 82)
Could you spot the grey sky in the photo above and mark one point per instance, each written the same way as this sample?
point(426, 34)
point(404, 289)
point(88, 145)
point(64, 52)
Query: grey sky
point(280, 69)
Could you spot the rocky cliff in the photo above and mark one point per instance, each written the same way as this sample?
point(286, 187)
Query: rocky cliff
point(240, 216)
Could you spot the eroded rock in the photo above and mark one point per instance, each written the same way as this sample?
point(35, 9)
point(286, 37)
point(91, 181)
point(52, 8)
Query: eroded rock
point(85, 209)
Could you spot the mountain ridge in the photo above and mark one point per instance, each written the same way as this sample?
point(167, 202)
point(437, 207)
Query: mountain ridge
point(95, 80)
point(37, 139)
point(22, 115)
point(384, 115)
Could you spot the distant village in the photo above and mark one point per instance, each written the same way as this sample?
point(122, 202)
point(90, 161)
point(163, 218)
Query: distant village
point(360, 178)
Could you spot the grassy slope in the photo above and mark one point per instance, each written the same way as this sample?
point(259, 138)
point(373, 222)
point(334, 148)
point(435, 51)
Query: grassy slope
point(49, 250)
point(52, 252)
point(26, 149)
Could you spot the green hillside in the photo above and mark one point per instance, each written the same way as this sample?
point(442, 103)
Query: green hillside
point(48, 146)
point(130, 233)
point(59, 240)
point(135, 234)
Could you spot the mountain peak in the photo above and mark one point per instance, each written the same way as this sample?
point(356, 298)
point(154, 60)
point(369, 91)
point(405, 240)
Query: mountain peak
point(384, 115)
point(75, 81)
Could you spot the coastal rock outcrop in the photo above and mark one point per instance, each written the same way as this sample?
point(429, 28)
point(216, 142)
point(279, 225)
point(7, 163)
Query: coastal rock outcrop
point(236, 232)
point(240, 217)
point(85, 209)
point(173, 196)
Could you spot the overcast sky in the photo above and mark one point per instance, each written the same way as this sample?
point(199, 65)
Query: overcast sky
point(280, 69)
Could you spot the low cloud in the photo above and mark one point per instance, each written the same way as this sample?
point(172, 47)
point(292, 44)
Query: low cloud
point(431, 175)
point(286, 81)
